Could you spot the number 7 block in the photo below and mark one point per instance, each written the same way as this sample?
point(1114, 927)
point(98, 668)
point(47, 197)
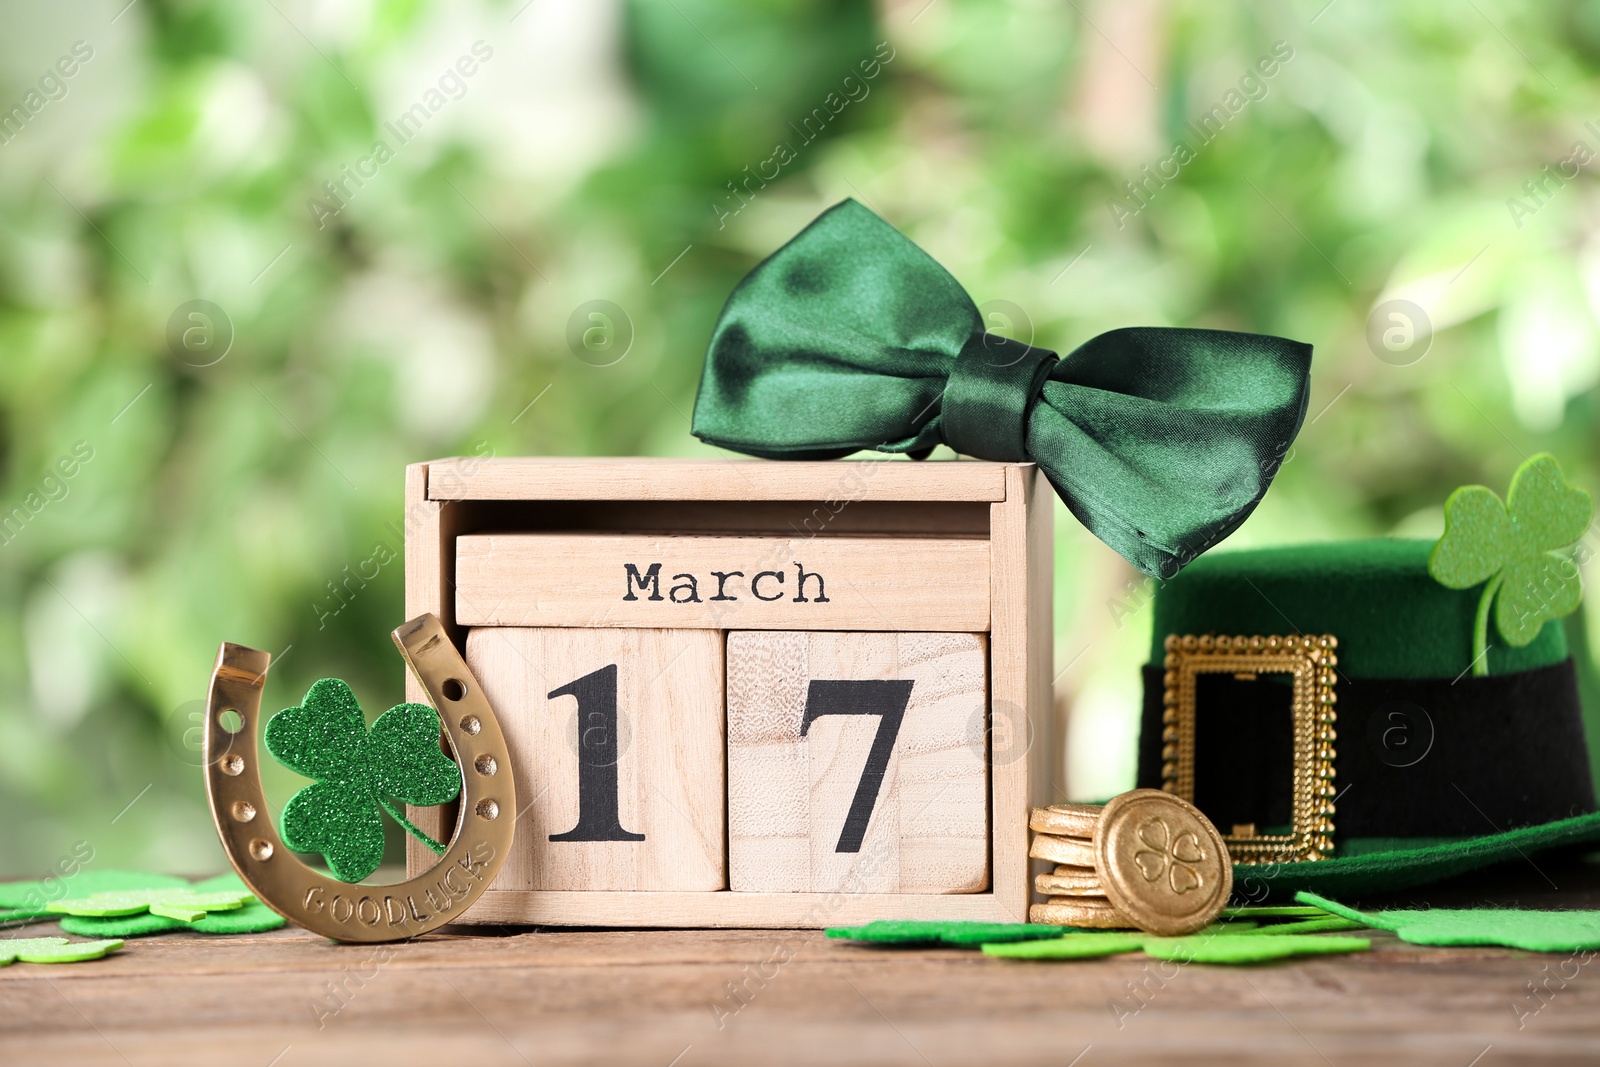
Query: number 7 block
point(857, 762)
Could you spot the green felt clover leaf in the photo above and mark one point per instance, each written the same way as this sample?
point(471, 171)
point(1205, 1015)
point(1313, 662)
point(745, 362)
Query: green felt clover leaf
point(1274, 911)
point(1326, 925)
point(1086, 946)
point(1537, 931)
point(1246, 950)
point(252, 917)
point(26, 902)
point(183, 904)
point(1513, 550)
point(1205, 947)
point(53, 950)
point(954, 932)
point(357, 773)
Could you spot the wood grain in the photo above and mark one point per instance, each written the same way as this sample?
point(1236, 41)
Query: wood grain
point(724, 583)
point(1021, 715)
point(789, 795)
point(701, 998)
point(956, 500)
point(669, 754)
point(568, 478)
point(775, 911)
point(430, 530)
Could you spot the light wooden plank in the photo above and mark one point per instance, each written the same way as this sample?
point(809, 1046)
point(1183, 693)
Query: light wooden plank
point(737, 998)
point(594, 580)
point(570, 478)
point(426, 557)
point(793, 824)
point(731, 909)
point(1020, 664)
point(656, 764)
point(1045, 756)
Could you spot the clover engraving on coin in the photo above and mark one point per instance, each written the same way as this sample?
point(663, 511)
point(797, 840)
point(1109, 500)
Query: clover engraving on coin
point(1161, 862)
point(1171, 854)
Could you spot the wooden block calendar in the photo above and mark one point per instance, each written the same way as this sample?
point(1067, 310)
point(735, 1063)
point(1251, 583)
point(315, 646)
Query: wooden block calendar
point(621, 732)
point(749, 693)
point(857, 762)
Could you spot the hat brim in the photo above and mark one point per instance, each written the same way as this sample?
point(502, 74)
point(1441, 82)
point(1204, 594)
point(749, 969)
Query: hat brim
point(1383, 872)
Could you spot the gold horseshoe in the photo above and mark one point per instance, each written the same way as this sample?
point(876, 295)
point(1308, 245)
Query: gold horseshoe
point(485, 817)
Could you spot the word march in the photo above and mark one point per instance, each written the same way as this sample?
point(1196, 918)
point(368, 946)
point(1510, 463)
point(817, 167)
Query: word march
point(764, 585)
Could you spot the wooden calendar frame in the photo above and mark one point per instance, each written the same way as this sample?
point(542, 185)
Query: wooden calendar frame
point(1010, 504)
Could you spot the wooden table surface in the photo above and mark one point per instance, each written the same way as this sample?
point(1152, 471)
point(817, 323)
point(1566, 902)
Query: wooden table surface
point(661, 998)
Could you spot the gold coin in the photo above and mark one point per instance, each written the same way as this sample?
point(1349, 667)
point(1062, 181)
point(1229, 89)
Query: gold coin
point(1050, 889)
point(1066, 820)
point(1067, 870)
point(1162, 863)
point(1092, 915)
point(1068, 886)
point(1073, 851)
point(1076, 876)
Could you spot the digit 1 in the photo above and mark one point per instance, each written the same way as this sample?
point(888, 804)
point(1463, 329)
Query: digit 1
point(883, 697)
point(596, 694)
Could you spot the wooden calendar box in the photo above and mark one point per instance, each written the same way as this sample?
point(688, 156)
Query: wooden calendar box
point(749, 693)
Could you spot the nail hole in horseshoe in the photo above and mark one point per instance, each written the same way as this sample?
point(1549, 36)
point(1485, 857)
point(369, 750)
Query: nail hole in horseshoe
point(243, 811)
point(488, 810)
point(470, 724)
point(232, 766)
point(486, 765)
point(261, 848)
point(230, 720)
point(453, 689)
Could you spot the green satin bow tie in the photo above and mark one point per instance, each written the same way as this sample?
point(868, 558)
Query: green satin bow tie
point(1160, 441)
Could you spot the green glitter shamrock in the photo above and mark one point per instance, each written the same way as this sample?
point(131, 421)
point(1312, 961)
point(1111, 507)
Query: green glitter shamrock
point(357, 772)
point(1515, 548)
point(179, 903)
point(53, 950)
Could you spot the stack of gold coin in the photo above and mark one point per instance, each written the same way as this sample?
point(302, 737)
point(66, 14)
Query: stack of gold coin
point(1147, 860)
point(1064, 835)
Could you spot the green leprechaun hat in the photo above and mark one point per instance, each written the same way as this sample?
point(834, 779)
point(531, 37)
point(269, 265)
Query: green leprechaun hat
point(1367, 716)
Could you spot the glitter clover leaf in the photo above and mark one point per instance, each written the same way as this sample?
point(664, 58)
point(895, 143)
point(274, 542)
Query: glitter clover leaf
point(53, 950)
point(1517, 550)
point(180, 903)
point(356, 774)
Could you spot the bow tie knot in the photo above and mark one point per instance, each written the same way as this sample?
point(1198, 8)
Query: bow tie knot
point(1160, 441)
point(993, 385)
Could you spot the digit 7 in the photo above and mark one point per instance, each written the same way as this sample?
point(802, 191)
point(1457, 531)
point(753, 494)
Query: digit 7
point(886, 698)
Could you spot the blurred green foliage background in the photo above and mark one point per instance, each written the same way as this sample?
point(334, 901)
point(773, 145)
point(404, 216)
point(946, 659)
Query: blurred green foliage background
point(439, 302)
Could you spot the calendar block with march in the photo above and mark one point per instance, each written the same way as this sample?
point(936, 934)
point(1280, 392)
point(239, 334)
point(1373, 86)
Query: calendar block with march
point(750, 693)
point(857, 762)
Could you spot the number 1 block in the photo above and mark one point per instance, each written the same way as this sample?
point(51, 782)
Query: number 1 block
point(857, 762)
point(617, 738)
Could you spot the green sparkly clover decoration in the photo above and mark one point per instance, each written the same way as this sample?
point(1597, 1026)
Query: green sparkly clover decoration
point(180, 903)
point(1516, 550)
point(356, 774)
point(53, 950)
